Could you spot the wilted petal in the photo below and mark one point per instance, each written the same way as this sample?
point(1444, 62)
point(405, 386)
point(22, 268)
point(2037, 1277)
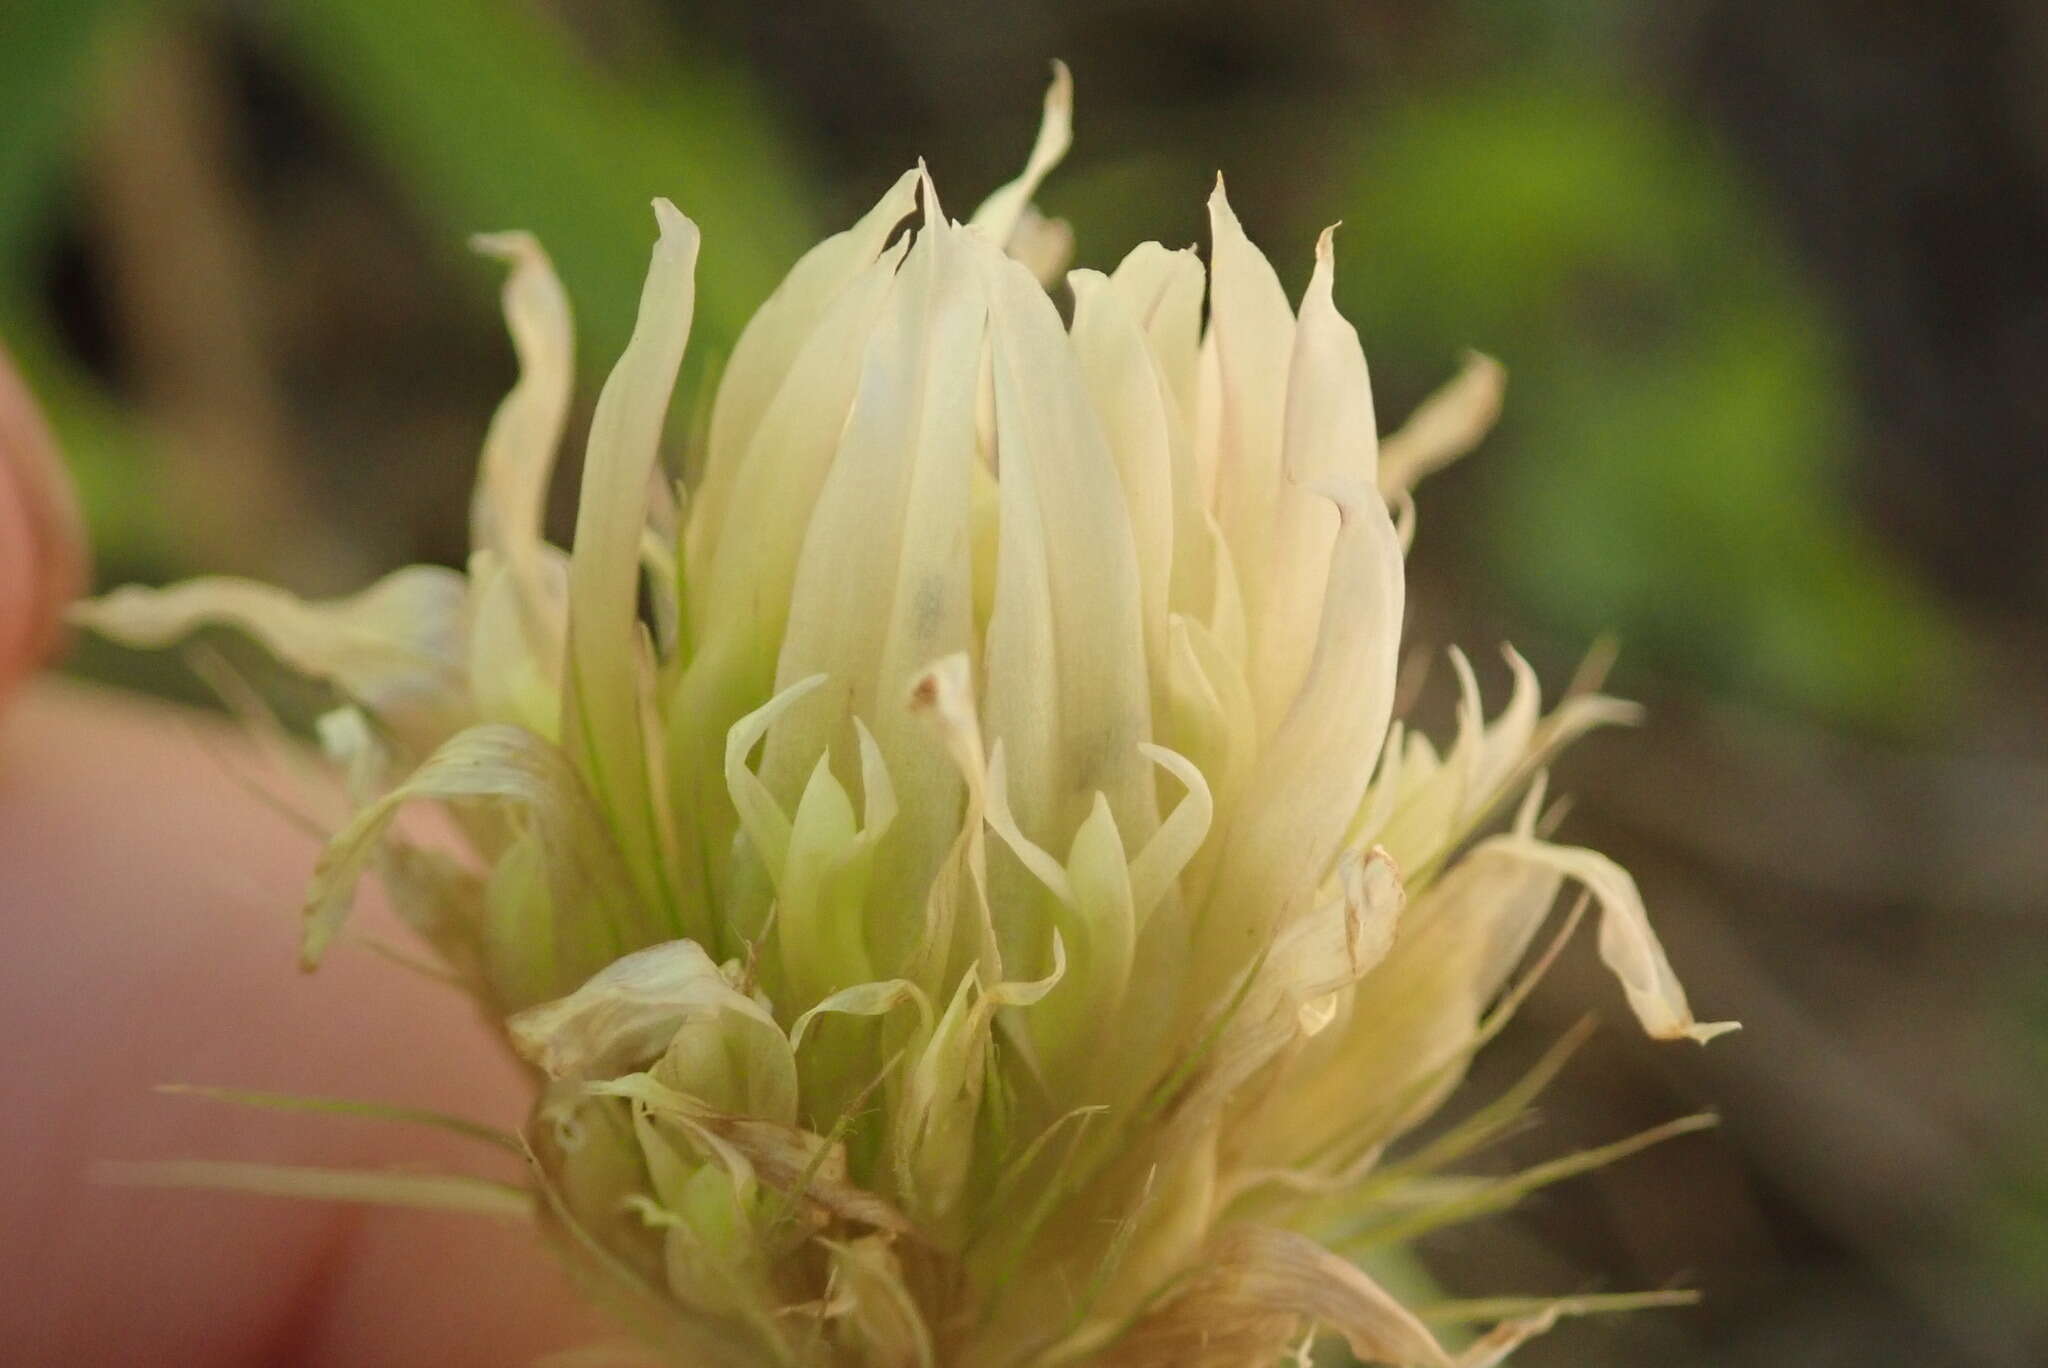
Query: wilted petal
point(884, 1322)
point(1002, 212)
point(1447, 425)
point(1253, 1293)
point(395, 648)
point(623, 1018)
point(1627, 944)
point(519, 450)
point(579, 868)
point(867, 1000)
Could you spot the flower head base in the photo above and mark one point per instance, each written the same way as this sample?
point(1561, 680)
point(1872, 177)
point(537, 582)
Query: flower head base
point(981, 909)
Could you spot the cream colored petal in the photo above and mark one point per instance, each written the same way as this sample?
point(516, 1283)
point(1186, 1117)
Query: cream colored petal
point(744, 587)
point(1104, 924)
point(760, 815)
point(1044, 866)
point(1252, 331)
point(958, 928)
point(1172, 848)
point(1385, 792)
point(1226, 617)
point(1447, 425)
point(519, 449)
point(601, 723)
point(1163, 289)
point(1210, 717)
point(788, 1158)
point(767, 350)
point(820, 922)
point(739, 602)
point(822, 942)
point(1346, 938)
point(1277, 1002)
point(727, 1050)
point(932, 1134)
point(1329, 435)
point(1320, 954)
point(1436, 798)
point(1413, 1018)
point(514, 638)
point(1065, 684)
point(1117, 366)
point(622, 1019)
point(1045, 246)
point(866, 1000)
point(396, 648)
point(1508, 738)
point(1001, 213)
point(1627, 944)
point(1095, 925)
point(884, 582)
point(1311, 779)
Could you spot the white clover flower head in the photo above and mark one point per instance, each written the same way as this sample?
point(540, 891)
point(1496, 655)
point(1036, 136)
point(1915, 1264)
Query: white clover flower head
point(959, 883)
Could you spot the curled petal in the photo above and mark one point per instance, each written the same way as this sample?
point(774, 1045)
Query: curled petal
point(621, 1020)
point(395, 648)
point(867, 1000)
point(519, 450)
point(1173, 846)
point(761, 817)
point(1447, 425)
point(1001, 214)
point(943, 694)
point(1044, 866)
point(1627, 944)
point(579, 867)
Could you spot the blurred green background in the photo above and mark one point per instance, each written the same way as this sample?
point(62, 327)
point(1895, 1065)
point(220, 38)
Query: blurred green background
point(1771, 282)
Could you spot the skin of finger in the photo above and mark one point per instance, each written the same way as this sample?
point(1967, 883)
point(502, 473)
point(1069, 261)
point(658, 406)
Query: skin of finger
point(42, 544)
point(147, 908)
